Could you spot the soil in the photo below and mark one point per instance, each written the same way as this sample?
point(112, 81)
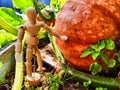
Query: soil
point(8, 85)
point(5, 86)
point(72, 85)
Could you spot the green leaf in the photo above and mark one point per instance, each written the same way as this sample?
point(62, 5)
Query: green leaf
point(53, 87)
point(77, 84)
point(3, 80)
point(38, 88)
point(42, 34)
point(22, 4)
point(10, 16)
point(86, 84)
point(6, 38)
point(104, 57)
point(57, 4)
point(95, 68)
point(110, 44)
point(100, 88)
point(1, 64)
point(118, 55)
point(95, 46)
point(86, 53)
point(112, 63)
point(95, 55)
point(101, 45)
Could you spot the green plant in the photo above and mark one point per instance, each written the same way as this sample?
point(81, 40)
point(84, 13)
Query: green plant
point(98, 51)
point(77, 84)
point(1, 64)
point(86, 84)
point(8, 27)
point(28, 87)
point(57, 4)
point(5, 38)
point(22, 4)
point(56, 50)
point(2, 79)
point(97, 81)
point(10, 16)
point(95, 68)
point(118, 55)
point(54, 81)
point(100, 88)
point(9, 22)
point(40, 6)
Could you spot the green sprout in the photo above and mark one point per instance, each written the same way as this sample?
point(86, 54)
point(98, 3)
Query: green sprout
point(98, 51)
point(54, 81)
point(87, 83)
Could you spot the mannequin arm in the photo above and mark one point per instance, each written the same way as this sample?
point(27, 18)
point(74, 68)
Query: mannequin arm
point(51, 31)
point(18, 47)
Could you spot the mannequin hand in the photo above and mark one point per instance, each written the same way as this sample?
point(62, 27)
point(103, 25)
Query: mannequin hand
point(64, 38)
point(18, 57)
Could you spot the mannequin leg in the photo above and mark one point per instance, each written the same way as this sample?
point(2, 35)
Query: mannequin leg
point(39, 60)
point(29, 53)
point(32, 77)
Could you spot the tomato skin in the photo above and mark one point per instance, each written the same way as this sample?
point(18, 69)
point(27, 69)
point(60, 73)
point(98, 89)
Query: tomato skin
point(72, 52)
point(86, 23)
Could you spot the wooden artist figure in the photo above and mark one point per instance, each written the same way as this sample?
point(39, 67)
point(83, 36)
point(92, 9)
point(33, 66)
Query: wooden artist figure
point(32, 27)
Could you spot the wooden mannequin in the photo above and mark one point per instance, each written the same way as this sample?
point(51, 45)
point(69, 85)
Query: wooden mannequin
point(32, 27)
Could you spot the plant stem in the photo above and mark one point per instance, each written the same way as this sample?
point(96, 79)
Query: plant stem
point(18, 76)
point(97, 81)
point(56, 50)
point(39, 7)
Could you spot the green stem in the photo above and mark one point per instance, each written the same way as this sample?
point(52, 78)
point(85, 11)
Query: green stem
point(18, 76)
point(39, 7)
point(56, 50)
point(97, 81)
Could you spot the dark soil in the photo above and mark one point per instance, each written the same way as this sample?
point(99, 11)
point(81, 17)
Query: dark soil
point(5, 86)
point(8, 85)
point(72, 85)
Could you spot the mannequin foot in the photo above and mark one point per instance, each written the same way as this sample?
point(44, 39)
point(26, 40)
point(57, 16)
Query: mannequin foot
point(34, 80)
point(29, 78)
point(41, 69)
